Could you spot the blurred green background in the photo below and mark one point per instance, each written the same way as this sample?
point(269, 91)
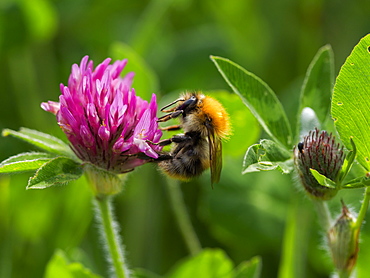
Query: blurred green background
point(168, 43)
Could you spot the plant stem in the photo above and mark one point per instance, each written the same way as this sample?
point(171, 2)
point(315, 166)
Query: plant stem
point(324, 214)
point(363, 209)
point(110, 235)
point(182, 217)
point(343, 274)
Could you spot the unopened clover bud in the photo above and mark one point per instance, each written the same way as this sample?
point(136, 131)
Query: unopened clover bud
point(343, 242)
point(320, 152)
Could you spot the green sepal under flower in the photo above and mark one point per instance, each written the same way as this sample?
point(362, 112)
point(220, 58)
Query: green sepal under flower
point(102, 182)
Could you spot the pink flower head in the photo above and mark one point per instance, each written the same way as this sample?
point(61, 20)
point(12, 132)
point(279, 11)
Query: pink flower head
point(105, 122)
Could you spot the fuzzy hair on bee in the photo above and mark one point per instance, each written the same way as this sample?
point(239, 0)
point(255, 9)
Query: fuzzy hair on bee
point(205, 124)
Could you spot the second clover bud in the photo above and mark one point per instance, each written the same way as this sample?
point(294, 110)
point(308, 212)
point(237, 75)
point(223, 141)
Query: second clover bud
point(320, 152)
point(343, 242)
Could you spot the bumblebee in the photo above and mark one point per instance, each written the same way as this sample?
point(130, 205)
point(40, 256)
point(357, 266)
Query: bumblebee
point(205, 123)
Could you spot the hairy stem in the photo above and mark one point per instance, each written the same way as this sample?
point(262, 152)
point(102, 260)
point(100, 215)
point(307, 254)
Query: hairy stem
point(324, 214)
point(112, 242)
point(182, 217)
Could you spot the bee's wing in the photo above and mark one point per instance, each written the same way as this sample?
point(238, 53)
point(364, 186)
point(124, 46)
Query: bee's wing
point(215, 156)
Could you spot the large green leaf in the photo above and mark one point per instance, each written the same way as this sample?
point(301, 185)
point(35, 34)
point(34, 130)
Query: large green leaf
point(318, 84)
point(41, 140)
point(24, 162)
point(350, 106)
point(57, 171)
point(259, 98)
point(60, 267)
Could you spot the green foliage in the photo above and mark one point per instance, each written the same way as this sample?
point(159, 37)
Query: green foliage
point(212, 263)
point(245, 214)
point(41, 18)
point(313, 110)
point(350, 109)
point(348, 162)
point(317, 86)
point(24, 162)
point(250, 269)
point(57, 171)
point(60, 267)
point(265, 156)
point(51, 170)
point(41, 140)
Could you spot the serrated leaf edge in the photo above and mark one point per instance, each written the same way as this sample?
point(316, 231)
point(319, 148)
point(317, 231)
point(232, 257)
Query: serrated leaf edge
point(29, 186)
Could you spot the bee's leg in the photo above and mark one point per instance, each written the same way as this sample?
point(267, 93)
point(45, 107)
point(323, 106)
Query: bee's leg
point(169, 116)
point(170, 128)
point(160, 157)
point(175, 139)
point(164, 142)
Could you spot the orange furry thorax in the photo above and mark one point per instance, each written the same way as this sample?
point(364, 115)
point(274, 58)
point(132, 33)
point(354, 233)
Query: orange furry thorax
point(218, 115)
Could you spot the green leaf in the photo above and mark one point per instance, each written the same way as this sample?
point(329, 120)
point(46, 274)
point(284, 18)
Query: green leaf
point(350, 103)
point(209, 263)
point(322, 180)
point(24, 162)
point(57, 171)
point(249, 269)
point(359, 182)
point(267, 156)
point(259, 98)
point(41, 140)
point(59, 267)
point(145, 81)
point(318, 84)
